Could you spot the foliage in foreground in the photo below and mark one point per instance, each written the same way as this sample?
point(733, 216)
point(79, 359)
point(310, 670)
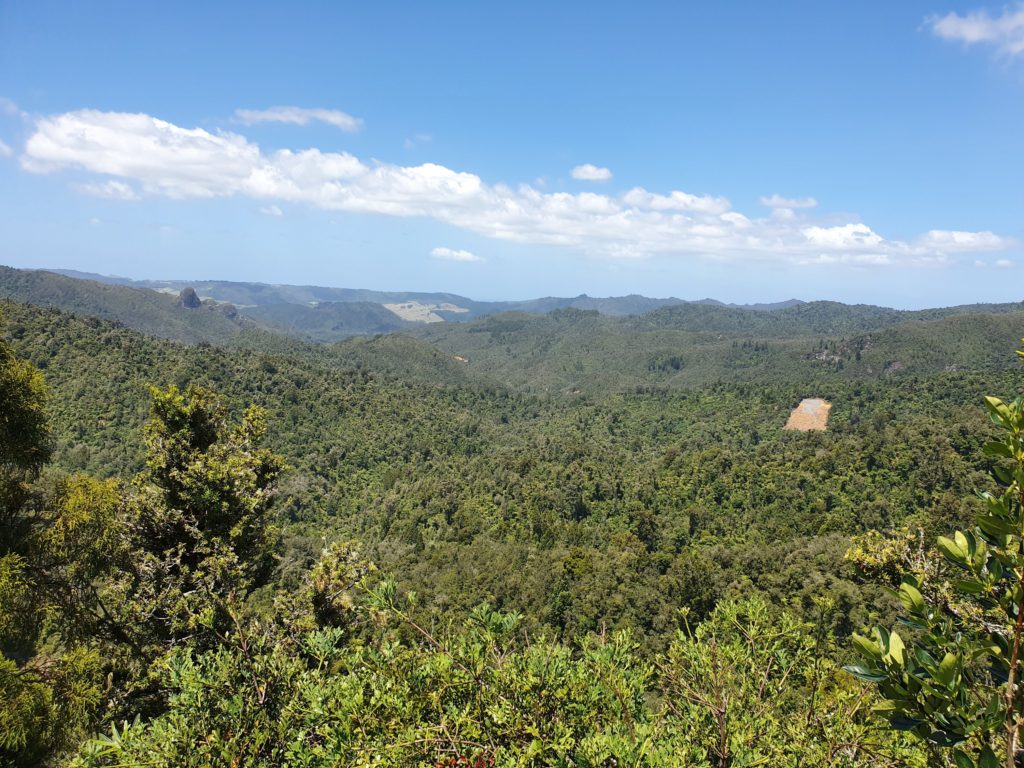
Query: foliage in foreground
point(99, 582)
point(747, 688)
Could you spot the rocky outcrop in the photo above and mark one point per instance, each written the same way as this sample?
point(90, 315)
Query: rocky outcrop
point(189, 299)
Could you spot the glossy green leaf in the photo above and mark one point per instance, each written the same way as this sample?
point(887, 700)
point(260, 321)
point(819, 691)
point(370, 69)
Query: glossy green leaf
point(970, 586)
point(896, 650)
point(996, 448)
point(988, 759)
point(947, 669)
point(867, 646)
point(995, 526)
point(952, 550)
point(865, 674)
point(911, 598)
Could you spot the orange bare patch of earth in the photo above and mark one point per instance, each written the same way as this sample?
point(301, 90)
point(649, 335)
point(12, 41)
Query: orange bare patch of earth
point(811, 414)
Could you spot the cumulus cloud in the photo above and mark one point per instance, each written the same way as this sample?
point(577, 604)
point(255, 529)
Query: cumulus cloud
point(778, 201)
point(5, 149)
point(843, 236)
point(588, 172)
point(299, 116)
point(139, 155)
point(449, 254)
point(1003, 263)
point(272, 211)
point(1005, 32)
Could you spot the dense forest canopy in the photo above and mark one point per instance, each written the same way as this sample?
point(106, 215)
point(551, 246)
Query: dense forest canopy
point(560, 539)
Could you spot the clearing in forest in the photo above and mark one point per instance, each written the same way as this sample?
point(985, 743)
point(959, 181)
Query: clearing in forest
point(416, 312)
point(811, 414)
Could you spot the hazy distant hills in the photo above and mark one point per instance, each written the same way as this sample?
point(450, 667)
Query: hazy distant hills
point(245, 295)
point(562, 345)
point(313, 313)
point(547, 344)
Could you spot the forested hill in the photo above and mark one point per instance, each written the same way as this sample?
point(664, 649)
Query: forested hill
point(579, 474)
point(151, 312)
point(476, 472)
point(549, 343)
point(570, 350)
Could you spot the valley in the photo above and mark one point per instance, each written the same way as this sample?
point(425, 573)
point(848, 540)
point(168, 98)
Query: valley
point(585, 472)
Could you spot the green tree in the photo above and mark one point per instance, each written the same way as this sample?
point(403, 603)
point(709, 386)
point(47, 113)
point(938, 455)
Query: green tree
point(102, 579)
point(195, 527)
point(24, 441)
point(49, 687)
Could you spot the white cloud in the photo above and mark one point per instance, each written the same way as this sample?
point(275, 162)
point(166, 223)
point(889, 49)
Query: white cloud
point(676, 201)
point(855, 259)
point(843, 237)
point(138, 155)
point(588, 172)
point(950, 241)
point(448, 254)
point(998, 264)
point(1005, 32)
point(735, 218)
point(778, 201)
point(272, 211)
point(299, 116)
point(95, 221)
point(5, 149)
point(108, 190)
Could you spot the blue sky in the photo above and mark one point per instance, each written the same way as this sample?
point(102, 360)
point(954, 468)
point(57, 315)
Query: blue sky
point(865, 152)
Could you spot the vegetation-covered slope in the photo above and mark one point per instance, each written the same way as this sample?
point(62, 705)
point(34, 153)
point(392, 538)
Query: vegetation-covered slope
point(692, 346)
point(153, 313)
point(332, 314)
point(327, 321)
point(447, 479)
point(654, 500)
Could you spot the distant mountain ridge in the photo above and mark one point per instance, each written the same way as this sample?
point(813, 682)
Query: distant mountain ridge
point(224, 312)
point(245, 295)
point(567, 349)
